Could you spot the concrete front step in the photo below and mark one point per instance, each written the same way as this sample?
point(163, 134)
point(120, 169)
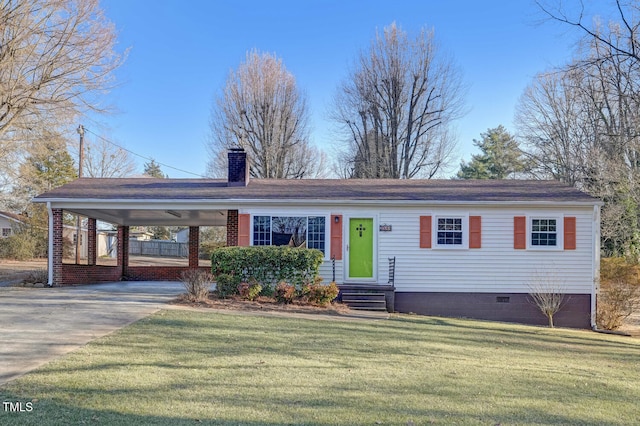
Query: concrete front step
point(363, 296)
point(365, 300)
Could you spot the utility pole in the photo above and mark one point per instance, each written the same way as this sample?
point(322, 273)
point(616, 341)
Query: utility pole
point(80, 130)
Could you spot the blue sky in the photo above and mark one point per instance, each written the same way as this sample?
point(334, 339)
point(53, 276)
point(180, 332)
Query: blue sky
point(182, 51)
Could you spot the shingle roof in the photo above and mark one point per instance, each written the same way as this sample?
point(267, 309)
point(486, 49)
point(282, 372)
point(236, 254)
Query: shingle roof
point(320, 189)
point(13, 216)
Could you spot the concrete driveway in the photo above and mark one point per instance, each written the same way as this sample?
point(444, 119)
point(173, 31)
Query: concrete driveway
point(39, 324)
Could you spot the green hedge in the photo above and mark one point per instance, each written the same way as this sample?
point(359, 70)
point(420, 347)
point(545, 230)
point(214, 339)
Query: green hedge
point(268, 264)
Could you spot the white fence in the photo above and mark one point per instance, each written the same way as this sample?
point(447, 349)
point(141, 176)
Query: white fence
point(158, 248)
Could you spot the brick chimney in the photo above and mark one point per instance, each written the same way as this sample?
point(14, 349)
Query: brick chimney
point(238, 168)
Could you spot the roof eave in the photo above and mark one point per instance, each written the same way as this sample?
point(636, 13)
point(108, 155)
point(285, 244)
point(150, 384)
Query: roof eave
point(237, 202)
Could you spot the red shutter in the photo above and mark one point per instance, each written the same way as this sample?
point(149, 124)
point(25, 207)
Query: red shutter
point(336, 236)
point(569, 233)
point(475, 232)
point(244, 225)
point(519, 232)
point(425, 231)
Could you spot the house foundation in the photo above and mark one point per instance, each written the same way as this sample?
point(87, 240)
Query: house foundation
point(509, 307)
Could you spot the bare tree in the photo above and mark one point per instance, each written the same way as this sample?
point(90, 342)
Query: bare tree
point(557, 126)
point(56, 57)
point(620, 37)
point(547, 293)
point(105, 160)
point(396, 107)
point(580, 124)
point(261, 110)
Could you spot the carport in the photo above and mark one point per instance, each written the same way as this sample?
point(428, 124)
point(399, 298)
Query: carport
point(140, 202)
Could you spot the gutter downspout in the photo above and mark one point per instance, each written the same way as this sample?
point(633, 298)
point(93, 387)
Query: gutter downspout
point(595, 289)
point(50, 251)
point(596, 278)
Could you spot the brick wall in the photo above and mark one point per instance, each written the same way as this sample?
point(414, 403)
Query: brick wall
point(232, 228)
point(88, 274)
point(157, 273)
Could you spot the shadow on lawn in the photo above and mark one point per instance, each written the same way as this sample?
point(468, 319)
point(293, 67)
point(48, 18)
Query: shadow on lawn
point(52, 413)
point(298, 411)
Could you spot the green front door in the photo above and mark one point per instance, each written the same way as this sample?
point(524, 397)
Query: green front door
point(361, 248)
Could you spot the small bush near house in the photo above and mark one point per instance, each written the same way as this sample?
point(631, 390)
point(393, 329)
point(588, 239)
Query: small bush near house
point(197, 283)
point(249, 290)
point(285, 292)
point(319, 294)
point(547, 293)
point(619, 292)
point(226, 285)
point(37, 276)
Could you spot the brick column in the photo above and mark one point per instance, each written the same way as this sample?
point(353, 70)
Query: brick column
point(57, 247)
point(91, 242)
point(194, 246)
point(123, 248)
point(232, 228)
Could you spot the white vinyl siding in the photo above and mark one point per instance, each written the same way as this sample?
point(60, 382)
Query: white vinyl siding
point(494, 268)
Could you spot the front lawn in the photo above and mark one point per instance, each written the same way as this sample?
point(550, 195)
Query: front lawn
point(185, 367)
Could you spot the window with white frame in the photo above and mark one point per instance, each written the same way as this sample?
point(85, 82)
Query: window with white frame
point(544, 232)
point(6, 232)
point(294, 231)
point(262, 230)
point(449, 231)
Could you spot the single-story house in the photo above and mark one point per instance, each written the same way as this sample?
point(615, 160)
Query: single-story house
point(470, 248)
point(7, 222)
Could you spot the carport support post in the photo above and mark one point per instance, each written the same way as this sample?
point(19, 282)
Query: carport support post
point(55, 246)
point(232, 228)
point(123, 249)
point(194, 246)
point(91, 242)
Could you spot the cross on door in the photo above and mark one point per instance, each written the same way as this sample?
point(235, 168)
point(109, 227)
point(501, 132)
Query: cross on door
point(361, 228)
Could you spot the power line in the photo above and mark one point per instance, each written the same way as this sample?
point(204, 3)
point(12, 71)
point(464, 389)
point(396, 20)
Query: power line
point(142, 156)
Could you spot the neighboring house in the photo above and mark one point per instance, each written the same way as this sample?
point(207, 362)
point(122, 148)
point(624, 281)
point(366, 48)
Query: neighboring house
point(7, 222)
point(107, 241)
point(182, 235)
point(461, 248)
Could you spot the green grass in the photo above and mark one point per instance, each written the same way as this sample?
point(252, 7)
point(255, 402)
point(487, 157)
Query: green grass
point(182, 367)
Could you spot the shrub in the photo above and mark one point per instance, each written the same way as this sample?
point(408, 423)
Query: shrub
point(616, 302)
point(619, 292)
point(547, 293)
point(267, 291)
point(37, 276)
point(319, 294)
point(285, 292)
point(226, 285)
point(197, 283)
point(249, 290)
point(18, 246)
point(268, 264)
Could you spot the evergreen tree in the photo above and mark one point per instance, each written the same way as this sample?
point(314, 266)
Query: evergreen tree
point(48, 165)
point(153, 169)
point(501, 157)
